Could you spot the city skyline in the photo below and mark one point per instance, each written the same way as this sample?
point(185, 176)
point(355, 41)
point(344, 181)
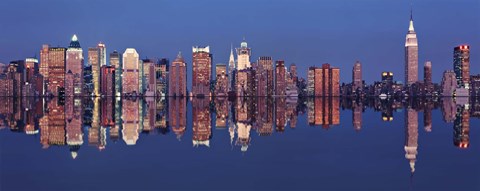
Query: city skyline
point(390, 29)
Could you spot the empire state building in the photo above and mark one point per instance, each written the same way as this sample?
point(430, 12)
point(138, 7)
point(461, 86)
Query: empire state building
point(411, 55)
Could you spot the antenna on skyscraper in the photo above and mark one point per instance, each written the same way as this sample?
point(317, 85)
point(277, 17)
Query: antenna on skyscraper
point(411, 10)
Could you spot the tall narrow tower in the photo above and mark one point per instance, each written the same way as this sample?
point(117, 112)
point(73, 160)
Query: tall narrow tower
point(74, 65)
point(243, 56)
point(411, 54)
point(231, 70)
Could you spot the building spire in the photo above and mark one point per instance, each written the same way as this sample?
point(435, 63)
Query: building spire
point(411, 28)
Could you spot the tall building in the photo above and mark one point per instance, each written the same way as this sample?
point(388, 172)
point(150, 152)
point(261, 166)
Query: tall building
point(291, 81)
point(107, 81)
point(43, 69)
point(280, 78)
point(427, 78)
point(411, 55)
point(130, 81)
point(177, 80)
point(31, 69)
point(116, 62)
point(265, 76)
point(202, 71)
point(449, 83)
point(94, 62)
point(324, 81)
point(149, 76)
point(231, 71)
point(357, 82)
point(221, 85)
point(461, 65)
point(102, 52)
point(162, 69)
point(243, 56)
point(74, 65)
point(56, 70)
point(411, 138)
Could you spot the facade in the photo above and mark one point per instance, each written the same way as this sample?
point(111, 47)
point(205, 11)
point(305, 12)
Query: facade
point(265, 76)
point(461, 66)
point(130, 80)
point(162, 69)
point(74, 65)
point(202, 126)
point(427, 78)
point(411, 55)
point(357, 82)
point(221, 85)
point(56, 70)
point(116, 62)
point(231, 71)
point(177, 80)
point(43, 69)
point(324, 81)
point(149, 76)
point(102, 52)
point(202, 71)
point(107, 81)
point(94, 62)
point(243, 56)
point(449, 83)
point(280, 78)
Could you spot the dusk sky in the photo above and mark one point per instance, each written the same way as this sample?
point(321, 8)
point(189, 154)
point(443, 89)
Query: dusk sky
point(305, 32)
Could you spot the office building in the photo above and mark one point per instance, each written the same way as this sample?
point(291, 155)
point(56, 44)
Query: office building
point(177, 80)
point(411, 55)
point(74, 65)
point(461, 66)
point(131, 65)
point(202, 71)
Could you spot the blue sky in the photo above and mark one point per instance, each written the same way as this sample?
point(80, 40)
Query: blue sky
point(305, 32)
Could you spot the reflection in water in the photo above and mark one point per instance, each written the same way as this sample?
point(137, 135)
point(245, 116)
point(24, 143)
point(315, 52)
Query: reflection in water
point(67, 122)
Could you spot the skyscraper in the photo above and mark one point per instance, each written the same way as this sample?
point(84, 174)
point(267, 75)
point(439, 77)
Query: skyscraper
point(265, 76)
point(56, 70)
point(449, 83)
point(149, 75)
point(221, 85)
point(102, 52)
point(74, 66)
point(324, 81)
point(43, 69)
point(461, 65)
point(231, 71)
point(177, 80)
point(94, 62)
point(280, 78)
point(162, 69)
point(411, 55)
point(202, 71)
point(427, 78)
point(243, 56)
point(107, 81)
point(357, 76)
point(115, 61)
point(130, 81)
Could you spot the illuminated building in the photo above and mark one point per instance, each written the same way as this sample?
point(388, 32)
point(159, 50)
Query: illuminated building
point(116, 62)
point(107, 87)
point(461, 127)
point(461, 66)
point(221, 86)
point(324, 81)
point(74, 65)
point(130, 81)
point(449, 83)
point(130, 119)
point(411, 138)
point(43, 69)
point(177, 81)
point(291, 81)
point(231, 71)
point(411, 55)
point(357, 82)
point(31, 70)
point(162, 69)
point(56, 122)
point(324, 111)
point(15, 72)
point(243, 56)
point(202, 69)
point(202, 130)
point(56, 70)
point(94, 62)
point(265, 77)
point(280, 78)
point(427, 77)
point(150, 79)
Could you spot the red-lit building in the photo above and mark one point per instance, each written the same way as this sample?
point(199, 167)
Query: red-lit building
point(280, 78)
point(108, 81)
point(177, 80)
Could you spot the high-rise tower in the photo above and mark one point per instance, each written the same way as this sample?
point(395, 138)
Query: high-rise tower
point(231, 70)
point(461, 65)
point(130, 81)
point(411, 55)
point(202, 71)
point(243, 56)
point(357, 76)
point(177, 81)
point(74, 65)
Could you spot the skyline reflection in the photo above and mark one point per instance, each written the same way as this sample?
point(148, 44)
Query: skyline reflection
point(94, 122)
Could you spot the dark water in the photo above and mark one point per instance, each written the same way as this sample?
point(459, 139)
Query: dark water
point(253, 144)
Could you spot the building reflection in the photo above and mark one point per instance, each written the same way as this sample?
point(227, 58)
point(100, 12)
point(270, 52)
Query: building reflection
point(72, 122)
